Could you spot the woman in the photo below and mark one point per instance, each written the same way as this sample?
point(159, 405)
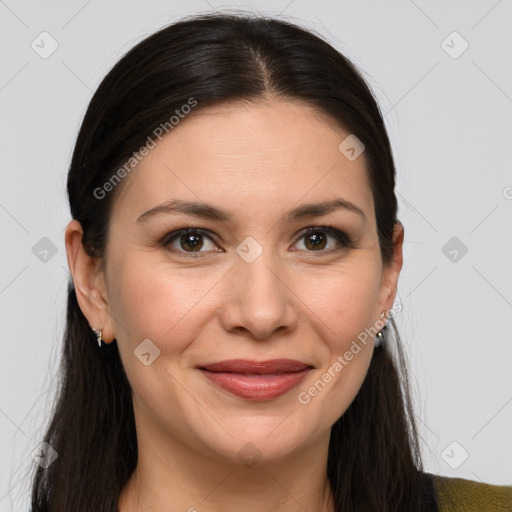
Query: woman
point(235, 252)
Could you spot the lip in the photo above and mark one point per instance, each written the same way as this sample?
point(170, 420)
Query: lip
point(256, 380)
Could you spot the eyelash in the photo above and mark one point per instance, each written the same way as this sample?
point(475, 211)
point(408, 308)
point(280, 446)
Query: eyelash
point(340, 236)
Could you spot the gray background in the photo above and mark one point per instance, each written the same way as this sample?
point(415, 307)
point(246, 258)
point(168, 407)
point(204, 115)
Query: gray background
point(449, 118)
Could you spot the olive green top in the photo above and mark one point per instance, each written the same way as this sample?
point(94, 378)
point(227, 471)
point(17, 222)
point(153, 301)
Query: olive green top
point(461, 495)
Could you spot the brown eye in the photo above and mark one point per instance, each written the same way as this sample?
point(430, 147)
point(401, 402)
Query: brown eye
point(316, 241)
point(187, 241)
point(316, 238)
point(192, 241)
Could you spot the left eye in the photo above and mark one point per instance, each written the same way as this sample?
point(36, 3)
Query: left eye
point(190, 240)
point(316, 237)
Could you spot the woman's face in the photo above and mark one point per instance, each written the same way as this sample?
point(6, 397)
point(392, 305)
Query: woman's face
point(250, 285)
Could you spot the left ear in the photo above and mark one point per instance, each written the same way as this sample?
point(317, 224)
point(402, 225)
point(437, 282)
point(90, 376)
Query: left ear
point(391, 272)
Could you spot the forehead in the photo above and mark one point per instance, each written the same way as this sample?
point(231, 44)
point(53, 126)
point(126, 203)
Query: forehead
point(262, 156)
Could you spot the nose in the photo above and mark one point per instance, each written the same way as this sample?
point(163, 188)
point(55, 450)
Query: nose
point(258, 300)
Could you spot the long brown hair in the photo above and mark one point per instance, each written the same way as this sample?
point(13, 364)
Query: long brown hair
point(374, 461)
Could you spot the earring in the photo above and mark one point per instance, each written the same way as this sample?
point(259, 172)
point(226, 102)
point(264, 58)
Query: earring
point(97, 332)
point(380, 335)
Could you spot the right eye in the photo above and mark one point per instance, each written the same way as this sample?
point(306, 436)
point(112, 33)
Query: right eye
point(187, 242)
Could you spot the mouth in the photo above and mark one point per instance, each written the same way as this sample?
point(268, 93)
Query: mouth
point(256, 380)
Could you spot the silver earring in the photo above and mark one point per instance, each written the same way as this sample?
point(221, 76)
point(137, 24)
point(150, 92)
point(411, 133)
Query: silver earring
point(380, 335)
point(98, 336)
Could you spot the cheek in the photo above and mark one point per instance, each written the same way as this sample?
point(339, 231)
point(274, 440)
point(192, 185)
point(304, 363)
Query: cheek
point(156, 301)
point(347, 353)
point(344, 300)
point(152, 301)
point(345, 314)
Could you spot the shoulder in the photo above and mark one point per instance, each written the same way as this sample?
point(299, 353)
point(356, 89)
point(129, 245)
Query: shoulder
point(459, 494)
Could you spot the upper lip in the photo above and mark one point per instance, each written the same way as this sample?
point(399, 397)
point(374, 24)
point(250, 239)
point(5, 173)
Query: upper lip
point(256, 367)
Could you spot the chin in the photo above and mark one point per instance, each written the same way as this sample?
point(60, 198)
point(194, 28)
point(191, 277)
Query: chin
point(261, 439)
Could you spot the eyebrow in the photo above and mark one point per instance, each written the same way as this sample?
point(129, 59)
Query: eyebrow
point(206, 211)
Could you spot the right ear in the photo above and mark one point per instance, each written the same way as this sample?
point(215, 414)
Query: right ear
point(89, 282)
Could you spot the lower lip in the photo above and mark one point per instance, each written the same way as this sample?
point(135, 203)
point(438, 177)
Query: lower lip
point(257, 387)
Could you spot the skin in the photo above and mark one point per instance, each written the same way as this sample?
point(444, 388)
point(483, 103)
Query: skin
point(293, 301)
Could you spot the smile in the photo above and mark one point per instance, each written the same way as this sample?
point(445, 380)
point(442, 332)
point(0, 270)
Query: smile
point(253, 380)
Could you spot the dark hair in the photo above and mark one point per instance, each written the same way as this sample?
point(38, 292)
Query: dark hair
point(374, 461)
